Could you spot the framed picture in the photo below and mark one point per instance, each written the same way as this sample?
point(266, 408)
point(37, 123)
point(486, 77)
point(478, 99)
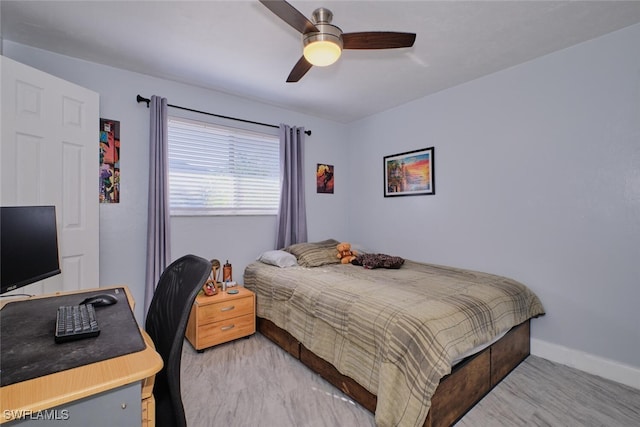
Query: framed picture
point(109, 161)
point(410, 173)
point(324, 178)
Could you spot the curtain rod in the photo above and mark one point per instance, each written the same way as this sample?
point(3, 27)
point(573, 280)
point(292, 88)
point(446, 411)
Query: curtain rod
point(142, 99)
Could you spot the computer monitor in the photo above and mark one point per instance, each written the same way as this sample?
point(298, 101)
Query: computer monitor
point(29, 245)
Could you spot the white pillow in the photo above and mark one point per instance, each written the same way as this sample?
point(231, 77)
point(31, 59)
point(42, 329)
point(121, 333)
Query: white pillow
point(278, 258)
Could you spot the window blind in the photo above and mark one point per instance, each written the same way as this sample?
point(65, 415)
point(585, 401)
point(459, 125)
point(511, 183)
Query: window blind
point(217, 170)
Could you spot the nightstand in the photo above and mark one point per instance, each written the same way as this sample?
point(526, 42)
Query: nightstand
point(221, 318)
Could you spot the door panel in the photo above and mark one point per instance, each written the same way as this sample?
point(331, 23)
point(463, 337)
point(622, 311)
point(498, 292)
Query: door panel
point(49, 156)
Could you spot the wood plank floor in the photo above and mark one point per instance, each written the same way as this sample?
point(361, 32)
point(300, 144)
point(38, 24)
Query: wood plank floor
point(252, 382)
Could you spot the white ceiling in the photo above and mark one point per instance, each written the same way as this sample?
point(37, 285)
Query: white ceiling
point(240, 47)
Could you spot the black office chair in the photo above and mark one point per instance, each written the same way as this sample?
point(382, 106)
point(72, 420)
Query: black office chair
point(166, 324)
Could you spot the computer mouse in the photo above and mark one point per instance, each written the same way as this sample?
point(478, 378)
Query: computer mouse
point(101, 300)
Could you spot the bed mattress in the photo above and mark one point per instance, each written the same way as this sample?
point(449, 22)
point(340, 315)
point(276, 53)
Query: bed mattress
point(395, 332)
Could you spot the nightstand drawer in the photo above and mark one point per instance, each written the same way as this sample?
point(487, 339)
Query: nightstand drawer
point(227, 330)
point(221, 317)
point(225, 310)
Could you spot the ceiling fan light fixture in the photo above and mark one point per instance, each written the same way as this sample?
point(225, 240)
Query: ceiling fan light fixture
point(324, 47)
point(322, 53)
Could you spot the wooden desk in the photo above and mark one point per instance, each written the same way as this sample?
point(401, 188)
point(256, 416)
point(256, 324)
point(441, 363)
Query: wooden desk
point(105, 393)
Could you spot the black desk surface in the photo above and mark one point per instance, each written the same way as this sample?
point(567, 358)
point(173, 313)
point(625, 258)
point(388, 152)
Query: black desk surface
point(27, 329)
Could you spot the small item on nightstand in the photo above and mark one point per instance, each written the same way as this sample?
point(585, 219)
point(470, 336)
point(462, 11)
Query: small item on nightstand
point(226, 272)
point(209, 287)
point(233, 291)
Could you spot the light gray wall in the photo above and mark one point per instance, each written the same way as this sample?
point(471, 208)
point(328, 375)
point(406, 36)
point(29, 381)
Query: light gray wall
point(537, 178)
point(123, 225)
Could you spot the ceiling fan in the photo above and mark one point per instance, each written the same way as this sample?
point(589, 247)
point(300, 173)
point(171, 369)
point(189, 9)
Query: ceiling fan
point(323, 42)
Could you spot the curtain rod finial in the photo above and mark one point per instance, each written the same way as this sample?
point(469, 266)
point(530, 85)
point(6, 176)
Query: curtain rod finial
point(141, 99)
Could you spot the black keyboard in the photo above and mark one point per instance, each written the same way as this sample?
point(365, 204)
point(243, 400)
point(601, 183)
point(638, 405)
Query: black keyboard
point(75, 322)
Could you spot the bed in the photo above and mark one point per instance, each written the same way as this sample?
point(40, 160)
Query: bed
point(417, 344)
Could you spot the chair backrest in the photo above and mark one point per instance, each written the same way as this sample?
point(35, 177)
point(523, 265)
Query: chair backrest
point(166, 323)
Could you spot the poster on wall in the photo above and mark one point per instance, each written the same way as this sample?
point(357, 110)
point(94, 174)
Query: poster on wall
point(324, 178)
point(409, 174)
point(109, 161)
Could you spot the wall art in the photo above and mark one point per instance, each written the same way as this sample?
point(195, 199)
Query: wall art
point(324, 178)
point(410, 173)
point(109, 161)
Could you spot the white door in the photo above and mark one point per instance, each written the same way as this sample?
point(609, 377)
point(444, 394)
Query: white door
point(49, 156)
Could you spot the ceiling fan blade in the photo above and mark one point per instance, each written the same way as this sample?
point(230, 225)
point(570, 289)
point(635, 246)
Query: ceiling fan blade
point(299, 70)
point(377, 40)
point(290, 15)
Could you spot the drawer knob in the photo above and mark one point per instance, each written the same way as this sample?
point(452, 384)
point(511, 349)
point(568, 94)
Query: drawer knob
point(228, 308)
point(227, 328)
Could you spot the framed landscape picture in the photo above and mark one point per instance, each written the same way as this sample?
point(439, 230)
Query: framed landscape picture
point(410, 173)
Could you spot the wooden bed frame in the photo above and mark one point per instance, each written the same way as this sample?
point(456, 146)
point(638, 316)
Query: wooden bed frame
point(470, 380)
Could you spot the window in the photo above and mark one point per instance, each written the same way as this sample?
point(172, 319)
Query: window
point(218, 170)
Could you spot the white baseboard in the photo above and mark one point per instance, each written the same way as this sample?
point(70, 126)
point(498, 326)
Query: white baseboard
point(596, 365)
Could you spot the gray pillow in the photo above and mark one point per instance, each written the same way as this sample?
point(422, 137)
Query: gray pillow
point(278, 258)
point(315, 254)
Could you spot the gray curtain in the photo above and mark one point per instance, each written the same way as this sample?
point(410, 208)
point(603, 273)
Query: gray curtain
point(158, 233)
point(292, 215)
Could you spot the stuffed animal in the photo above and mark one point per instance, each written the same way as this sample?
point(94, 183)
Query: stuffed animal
point(345, 254)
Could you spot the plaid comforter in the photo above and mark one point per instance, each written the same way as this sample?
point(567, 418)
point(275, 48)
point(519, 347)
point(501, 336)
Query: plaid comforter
point(395, 332)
